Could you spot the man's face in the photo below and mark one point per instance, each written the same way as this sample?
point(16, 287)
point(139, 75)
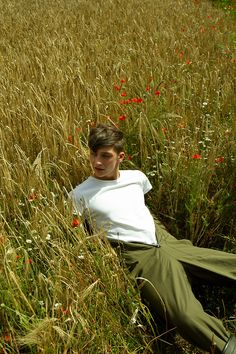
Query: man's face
point(105, 163)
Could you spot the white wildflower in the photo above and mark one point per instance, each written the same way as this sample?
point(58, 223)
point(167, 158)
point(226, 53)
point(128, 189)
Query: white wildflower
point(133, 319)
point(81, 256)
point(152, 173)
point(57, 305)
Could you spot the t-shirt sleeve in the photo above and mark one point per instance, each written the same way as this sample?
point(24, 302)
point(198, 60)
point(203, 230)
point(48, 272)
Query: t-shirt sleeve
point(145, 183)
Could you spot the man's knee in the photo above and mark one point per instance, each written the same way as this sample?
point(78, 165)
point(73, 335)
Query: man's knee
point(152, 299)
point(182, 319)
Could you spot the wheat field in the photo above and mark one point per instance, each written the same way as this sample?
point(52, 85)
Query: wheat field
point(164, 72)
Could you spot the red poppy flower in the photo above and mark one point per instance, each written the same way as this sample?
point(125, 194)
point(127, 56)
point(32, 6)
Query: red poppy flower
point(123, 94)
point(157, 93)
point(7, 338)
point(70, 138)
point(148, 88)
point(75, 222)
point(188, 62)
point(125, 101)
point(32, 196)
point(220, 159)
point(137, 100)
point(196, 157)
point(123, 117)
point(28, 261)
point(65, 311)
point(117, 88)
point(122, 81)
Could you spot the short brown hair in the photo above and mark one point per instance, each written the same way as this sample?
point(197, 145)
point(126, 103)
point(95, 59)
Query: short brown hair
point(106, 135)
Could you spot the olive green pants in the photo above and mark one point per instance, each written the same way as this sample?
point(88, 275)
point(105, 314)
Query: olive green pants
point(164, 276)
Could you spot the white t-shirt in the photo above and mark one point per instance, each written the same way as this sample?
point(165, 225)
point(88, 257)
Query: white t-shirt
point(118, 206)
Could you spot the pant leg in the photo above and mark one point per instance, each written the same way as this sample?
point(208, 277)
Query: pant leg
point(210, 265)
point(165, 288)
point(168, 292)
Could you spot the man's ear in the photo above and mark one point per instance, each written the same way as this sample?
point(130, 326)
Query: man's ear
point(121, 156)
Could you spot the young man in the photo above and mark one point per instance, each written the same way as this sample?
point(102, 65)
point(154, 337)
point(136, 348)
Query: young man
point(162, 265)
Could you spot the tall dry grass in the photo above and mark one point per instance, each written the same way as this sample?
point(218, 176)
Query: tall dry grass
point(165, 72)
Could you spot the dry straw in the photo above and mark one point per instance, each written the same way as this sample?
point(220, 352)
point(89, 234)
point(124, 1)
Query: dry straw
point(164, 72)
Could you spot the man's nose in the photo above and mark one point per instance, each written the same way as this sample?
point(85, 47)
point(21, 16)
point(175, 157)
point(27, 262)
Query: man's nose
point(97, 161)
